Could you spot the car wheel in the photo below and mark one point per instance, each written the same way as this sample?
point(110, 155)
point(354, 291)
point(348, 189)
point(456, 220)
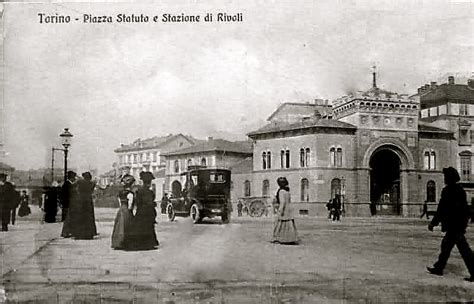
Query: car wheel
point(226, 217)
point(170, 212)
point(195, 214)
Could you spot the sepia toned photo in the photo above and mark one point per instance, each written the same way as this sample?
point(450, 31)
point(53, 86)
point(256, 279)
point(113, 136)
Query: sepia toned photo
point(237, 152)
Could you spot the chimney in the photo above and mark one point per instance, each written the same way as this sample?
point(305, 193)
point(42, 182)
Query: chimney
point(210, 138)
point(420, 90)
point(450, 79)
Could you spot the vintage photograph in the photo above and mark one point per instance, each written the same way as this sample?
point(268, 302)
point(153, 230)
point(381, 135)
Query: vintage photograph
point(237, 152)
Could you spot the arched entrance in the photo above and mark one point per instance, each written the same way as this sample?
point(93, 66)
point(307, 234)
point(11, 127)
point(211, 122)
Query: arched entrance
point(385, 181)
point(176, 188)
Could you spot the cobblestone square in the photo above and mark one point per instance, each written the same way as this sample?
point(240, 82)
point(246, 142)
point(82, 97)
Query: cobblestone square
point(379, 259)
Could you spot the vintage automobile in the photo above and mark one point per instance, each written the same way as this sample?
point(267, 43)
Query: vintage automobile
point(206, 193)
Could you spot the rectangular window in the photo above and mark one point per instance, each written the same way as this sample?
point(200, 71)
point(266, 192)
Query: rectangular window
point(463, 110)
point(464, 136)
point(287, 153)
point(442, 110)
point(454, 109)
point(465, 168)
point(424, 113)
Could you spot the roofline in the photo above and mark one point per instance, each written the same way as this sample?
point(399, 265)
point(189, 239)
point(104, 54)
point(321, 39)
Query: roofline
point(204, 151)
point(256, 133)
point(128, 149)
point(294, 104)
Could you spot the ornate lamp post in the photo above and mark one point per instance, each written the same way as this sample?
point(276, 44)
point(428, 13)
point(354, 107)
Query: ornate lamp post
point(66, 137)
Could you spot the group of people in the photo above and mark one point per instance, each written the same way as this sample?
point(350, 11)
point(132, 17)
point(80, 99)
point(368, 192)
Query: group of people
point(334, 207)
point(10, 200)
point(134, 225)
point(78, 207)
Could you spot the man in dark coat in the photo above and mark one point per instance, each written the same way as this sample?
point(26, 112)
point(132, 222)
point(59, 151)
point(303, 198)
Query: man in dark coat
point(453, 214)
point(7, 196)
point(67, 193)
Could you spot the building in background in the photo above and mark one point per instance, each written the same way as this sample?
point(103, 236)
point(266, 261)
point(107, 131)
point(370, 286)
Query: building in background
point(213, 153)
point(451, 106)
point(371, 148)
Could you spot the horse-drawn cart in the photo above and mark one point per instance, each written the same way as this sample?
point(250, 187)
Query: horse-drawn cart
point(256, 206)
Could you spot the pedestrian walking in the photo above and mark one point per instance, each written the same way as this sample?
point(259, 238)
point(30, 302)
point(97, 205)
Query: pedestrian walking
point(24, 207)
point(284, 231)
point(6, 200)
point(15, 202)
point(82, 209)
point(164, 203)
point(336, 207)
point(453, 214)
point(329, 207)
point(425, 210)
point(67, 193)
point(143, 235)
point(123, 219)
point(50, 202)
point(239, 208)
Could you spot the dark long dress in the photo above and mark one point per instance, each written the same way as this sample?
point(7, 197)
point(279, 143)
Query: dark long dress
point(83, 212)
point(143, 228)
point(122, 224)
point(24, 209)
point(72, 216)
point(50, 204)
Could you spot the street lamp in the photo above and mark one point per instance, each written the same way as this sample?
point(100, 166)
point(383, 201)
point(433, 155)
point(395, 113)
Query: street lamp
point(66, 137)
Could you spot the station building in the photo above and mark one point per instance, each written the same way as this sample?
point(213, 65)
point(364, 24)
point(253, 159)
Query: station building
point(370, 147)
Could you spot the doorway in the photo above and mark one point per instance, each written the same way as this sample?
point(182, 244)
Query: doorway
point(385, 182)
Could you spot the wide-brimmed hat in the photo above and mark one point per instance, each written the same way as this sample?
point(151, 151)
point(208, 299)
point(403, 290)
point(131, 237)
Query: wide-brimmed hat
point(451, 175)
point(87, 175)
point(127, 179)
point(282, 181)
point(146, 176)
point(71, 174)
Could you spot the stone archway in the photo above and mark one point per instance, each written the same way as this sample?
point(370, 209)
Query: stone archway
point(388, 162)
point(385, 181)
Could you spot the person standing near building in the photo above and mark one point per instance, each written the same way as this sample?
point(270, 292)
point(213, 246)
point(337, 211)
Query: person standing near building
point(6, 200)
point(425, 210)
point(239, 208)
point(453, 214)
point(50, 202)
point(67, 193)
point(336, 205)
point(164, 203)
point(284, 231)
point(15, 202)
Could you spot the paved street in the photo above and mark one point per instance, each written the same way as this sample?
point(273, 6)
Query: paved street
point(358, 259)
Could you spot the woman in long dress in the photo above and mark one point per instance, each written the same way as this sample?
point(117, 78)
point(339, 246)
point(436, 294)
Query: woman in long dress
point(123, 219)
point(50, 203)
point(284, 231)
point(143, 235)
point(85, 228)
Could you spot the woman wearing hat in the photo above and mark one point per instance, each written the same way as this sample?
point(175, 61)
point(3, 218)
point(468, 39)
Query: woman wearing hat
point(85, 228)
point(123, 219)
point(144, 236)
point(284, 231)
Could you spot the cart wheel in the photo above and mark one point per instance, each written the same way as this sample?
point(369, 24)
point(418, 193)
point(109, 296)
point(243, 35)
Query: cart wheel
point(170, 212)
point(194, 213)
point(256, 208)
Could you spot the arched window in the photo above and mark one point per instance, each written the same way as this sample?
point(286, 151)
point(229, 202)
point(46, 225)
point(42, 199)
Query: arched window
point(203, 161)
point(247, 190)
point(339, 157)
point(190, 162)
point(426, 160)
point(335, 187)
point(302, 158)
point(269, 160)
point(176, 166)
point(282, 159)
point(307, 156)
point(265, 187)
point(465, 158)
point(332, 157)
point(433, 160)
point(264, 160)
point(287, 154)
point(304, 190)
point(431, 191)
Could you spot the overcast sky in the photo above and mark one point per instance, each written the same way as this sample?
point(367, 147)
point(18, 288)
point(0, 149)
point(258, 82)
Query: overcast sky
point(113, 83)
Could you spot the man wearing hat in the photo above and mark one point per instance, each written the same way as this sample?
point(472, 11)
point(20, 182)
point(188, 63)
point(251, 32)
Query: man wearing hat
point(6, 200)
point(453, 214)
point(66, 193)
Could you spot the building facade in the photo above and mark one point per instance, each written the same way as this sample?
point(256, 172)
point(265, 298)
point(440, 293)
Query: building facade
point(213, 153)
point(370, 149)
point(451, 106)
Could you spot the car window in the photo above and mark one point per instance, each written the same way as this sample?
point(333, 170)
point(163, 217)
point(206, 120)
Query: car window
point(217, 178)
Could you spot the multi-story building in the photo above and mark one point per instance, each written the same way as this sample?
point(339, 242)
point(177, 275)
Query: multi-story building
point(451, 106)
point(213, 153)
point(147, 154)
point(372, 150)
